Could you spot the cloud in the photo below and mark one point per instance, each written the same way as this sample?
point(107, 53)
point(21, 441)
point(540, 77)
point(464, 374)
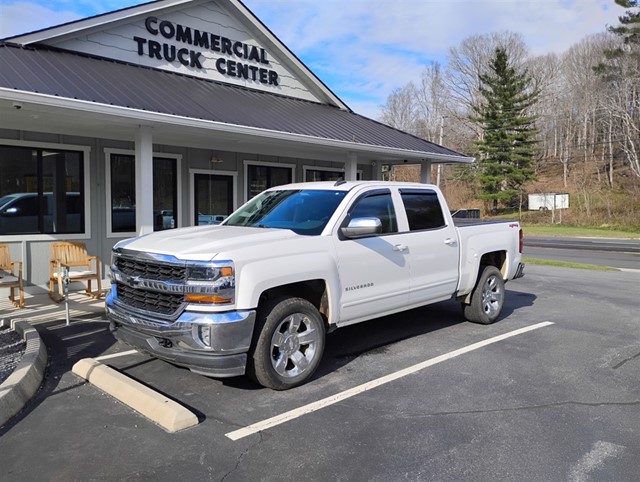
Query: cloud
point(366, 48)
point(14, 19)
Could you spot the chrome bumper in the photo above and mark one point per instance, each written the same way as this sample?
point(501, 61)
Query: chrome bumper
point(214, 344)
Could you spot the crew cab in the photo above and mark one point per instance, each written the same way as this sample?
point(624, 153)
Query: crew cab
point(257, 293)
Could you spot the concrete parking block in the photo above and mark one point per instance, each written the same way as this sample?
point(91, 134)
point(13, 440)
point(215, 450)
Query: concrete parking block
point(167, 413)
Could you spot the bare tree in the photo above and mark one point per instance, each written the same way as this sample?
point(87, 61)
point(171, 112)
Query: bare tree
point(431, 102)
point(401, 111)
point(471, 58)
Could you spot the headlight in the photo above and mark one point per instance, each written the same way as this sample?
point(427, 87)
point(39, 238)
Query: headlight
point(212, 283)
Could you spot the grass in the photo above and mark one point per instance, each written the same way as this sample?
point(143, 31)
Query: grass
point(567, 264)
point(573, 231)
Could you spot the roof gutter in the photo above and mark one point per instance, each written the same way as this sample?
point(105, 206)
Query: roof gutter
point(142, 116)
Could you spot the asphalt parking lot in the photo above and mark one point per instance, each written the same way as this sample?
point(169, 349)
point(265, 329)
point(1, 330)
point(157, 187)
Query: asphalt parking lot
point(558, 402)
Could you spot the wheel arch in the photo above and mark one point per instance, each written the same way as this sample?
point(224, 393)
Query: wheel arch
point(497, 259)
point(315, 291)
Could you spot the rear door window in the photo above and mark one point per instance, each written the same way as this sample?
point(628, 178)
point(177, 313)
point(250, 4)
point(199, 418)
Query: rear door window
point(423, 209)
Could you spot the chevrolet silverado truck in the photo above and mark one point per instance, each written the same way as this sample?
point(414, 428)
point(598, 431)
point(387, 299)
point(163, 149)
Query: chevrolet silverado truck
point(257, 293)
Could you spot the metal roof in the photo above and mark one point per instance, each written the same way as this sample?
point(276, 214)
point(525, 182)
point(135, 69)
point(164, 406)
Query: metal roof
point(64, 74)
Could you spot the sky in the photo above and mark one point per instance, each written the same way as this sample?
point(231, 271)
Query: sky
point(364, 49)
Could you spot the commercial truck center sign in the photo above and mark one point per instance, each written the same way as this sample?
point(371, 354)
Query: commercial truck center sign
point(243, 68)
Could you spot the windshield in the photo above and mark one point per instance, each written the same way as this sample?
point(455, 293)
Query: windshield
point(303, 211)
point(4, 200)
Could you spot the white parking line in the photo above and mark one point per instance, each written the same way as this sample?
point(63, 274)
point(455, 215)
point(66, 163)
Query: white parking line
point(116, 355)
point(325, 402)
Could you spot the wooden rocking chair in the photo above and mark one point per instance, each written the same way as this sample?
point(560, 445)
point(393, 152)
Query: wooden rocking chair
point(11, 275)
point(73, 255)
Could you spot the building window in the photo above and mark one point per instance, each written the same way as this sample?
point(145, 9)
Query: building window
point(311, 175)
point(123, 193)
point(213, 197)
point(165, 194)
point(264, 176)
point(315, 173)
point(122, 184)
point(41, 191)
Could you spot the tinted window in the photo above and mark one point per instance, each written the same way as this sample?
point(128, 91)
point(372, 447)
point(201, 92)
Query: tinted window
point(377, 205)
point(423, 210)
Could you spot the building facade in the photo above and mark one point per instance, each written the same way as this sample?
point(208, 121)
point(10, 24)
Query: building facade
point(163, 115)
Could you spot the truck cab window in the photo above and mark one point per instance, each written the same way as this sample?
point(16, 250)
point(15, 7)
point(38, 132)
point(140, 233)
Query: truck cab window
point(378, 205)
point(423, 210)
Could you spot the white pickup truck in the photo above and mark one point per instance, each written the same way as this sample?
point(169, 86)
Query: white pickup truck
point(257, 293)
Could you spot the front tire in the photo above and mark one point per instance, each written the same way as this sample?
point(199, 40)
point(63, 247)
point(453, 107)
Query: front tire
point(289, 344)
point(487, 299)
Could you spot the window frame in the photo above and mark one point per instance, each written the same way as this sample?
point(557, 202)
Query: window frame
point(85, 153)
point(108, 152)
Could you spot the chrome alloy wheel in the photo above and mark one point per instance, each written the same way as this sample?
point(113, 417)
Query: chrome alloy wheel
point(492, 296)
point(293, 345)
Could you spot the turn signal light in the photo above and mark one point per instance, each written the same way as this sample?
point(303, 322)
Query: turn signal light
point(206, 299)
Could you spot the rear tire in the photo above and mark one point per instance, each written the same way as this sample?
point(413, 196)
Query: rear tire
point(289, 345)
point(487, 298)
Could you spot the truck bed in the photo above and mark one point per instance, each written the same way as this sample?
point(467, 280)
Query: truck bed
point(462, 222)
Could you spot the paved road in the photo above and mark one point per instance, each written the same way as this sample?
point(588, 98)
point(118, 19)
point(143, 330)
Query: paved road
point(561, 402)
point(617, 253)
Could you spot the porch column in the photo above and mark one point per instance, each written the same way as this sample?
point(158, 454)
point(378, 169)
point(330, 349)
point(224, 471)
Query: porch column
point(351, 167)
point(144, 180)
point(376, 171)
point(425, 172)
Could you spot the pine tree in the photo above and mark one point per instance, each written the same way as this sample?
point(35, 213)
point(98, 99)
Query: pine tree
point(621, 70)
point(629, 32)
point(629, 27)
point(507, 148)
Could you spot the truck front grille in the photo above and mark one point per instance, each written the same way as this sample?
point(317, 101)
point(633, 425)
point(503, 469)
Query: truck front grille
point(167, 304)
point(150, 270)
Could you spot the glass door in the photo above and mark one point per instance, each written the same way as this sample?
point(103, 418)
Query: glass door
point(213, 196)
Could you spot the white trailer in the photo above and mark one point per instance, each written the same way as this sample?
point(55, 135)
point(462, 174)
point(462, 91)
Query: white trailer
point(548, 201)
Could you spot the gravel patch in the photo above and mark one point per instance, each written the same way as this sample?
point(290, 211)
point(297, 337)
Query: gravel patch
point(12, 347)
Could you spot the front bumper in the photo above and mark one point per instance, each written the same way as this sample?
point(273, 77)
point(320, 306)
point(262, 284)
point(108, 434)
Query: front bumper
point(181, 342)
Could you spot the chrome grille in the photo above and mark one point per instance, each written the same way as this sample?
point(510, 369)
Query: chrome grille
point(150, 270)
point(166, 304)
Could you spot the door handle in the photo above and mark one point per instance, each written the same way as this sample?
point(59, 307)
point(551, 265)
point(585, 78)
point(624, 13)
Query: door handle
point(399, 247)
point(450, 242)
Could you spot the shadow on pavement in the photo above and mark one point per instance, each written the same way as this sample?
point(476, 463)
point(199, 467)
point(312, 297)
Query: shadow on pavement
point(65, 346)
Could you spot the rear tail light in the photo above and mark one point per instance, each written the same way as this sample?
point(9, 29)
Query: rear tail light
point(521, 241)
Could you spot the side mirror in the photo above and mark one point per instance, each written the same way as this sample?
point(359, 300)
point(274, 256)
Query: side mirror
point(9, 212)
point(359, 227)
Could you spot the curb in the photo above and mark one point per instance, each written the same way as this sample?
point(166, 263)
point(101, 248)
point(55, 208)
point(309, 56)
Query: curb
point(167, 413)
point(25, 381)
